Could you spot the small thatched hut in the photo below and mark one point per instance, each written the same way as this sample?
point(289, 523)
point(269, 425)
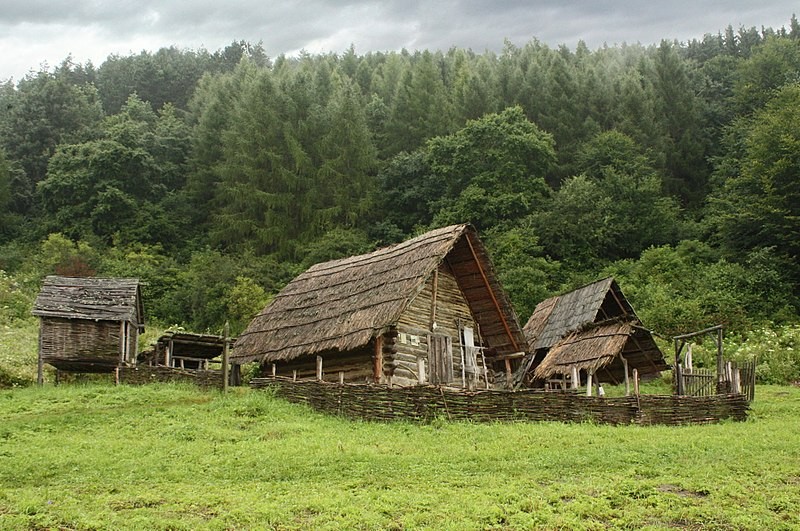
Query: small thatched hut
point(591, 330)
point(428, 310)
point(89, 324)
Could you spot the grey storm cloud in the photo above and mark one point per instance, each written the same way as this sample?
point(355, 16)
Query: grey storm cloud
point(98, 28)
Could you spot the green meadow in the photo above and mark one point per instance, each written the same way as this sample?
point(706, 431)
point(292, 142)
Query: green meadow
point(96, 456)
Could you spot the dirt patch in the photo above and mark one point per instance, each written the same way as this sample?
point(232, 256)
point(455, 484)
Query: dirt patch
point(686, 493)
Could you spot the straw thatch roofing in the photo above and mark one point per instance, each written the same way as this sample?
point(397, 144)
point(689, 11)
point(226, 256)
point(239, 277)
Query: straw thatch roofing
point(593, 327)
point(588, 349)
point(342, 304)
point(556, 316)
point(98, 299)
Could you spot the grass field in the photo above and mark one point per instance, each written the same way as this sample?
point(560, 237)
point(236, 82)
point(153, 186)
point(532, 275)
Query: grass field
point(170, 457)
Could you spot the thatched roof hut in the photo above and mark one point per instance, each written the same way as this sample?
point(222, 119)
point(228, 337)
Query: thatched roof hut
point(593, 329)
point(441, 283)
point(89, 324)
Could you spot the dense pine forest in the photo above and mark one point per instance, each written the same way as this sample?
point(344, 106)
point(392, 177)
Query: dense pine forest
point(216, 177)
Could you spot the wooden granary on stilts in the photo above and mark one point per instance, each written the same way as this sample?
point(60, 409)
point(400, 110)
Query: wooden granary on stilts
point(88, 324)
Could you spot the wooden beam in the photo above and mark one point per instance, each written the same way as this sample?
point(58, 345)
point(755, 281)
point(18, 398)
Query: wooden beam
point(698, 333)
point(434, 293)
point(491, 293)
point(319, 368)
point(619, 303)
point(589, 383)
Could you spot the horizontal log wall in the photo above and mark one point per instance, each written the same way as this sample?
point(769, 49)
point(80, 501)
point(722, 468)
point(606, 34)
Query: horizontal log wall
point(425, 403)
point(144, 375)
point(356, 366)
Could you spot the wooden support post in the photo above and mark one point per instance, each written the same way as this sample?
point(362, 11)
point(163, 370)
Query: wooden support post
point(508, 373)
point(226, 331)
point(274, 370)
point(636, 382)
point(294, 375)
point(681, 390)
point(377, 369)
point(576, 377)
point(40, 363)
point(589, 383)
point(627, 380)
point(123, 342)
point(421, 370)
point(341, 377)
point(319, 368)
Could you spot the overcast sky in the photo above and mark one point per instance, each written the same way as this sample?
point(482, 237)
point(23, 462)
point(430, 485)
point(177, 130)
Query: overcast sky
point(37, 32)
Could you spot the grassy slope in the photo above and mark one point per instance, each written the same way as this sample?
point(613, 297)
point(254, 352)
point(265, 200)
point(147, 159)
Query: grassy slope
point(166, 457)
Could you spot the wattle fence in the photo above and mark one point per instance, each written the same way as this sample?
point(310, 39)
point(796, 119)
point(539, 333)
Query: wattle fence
point(426, 403)
point(144, 374)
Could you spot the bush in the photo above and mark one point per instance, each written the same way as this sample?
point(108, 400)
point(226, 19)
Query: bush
point(776, 351)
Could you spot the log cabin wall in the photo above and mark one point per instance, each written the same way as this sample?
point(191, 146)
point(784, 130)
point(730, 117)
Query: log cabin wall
point(440, 301)
point(357, 366)
point(66, 342)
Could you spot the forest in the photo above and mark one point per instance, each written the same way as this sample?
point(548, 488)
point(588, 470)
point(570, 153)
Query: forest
point(216, 177)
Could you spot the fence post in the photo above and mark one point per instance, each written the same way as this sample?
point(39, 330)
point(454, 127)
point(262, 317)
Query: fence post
point(636, 382)
point(225, 374)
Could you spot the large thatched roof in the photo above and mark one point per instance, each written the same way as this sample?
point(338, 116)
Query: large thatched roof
point(592, 328)
point(342, 304)
point(97, 299)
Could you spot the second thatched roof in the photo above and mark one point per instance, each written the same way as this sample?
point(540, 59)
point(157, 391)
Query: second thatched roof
point(342, 304)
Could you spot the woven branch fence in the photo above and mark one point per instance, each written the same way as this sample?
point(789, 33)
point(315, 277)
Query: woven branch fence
point(145, 374)
point(425, 403)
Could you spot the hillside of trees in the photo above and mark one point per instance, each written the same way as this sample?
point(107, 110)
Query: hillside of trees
point(216, 177)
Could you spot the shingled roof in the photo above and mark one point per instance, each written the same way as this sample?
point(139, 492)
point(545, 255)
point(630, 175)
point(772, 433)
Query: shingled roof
point(342, 304)
point(98, 299)
point(556, 316)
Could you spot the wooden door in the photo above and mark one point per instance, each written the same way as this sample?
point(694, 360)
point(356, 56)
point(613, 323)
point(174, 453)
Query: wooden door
point(440, 359)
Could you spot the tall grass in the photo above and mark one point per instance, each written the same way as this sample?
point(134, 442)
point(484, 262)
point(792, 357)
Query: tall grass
point(171, 457)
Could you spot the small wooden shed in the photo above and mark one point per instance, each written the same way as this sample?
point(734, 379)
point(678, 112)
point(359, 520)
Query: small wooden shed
point(591, 330)
point(88, 324)
point(426, 311)
point(186, 350)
